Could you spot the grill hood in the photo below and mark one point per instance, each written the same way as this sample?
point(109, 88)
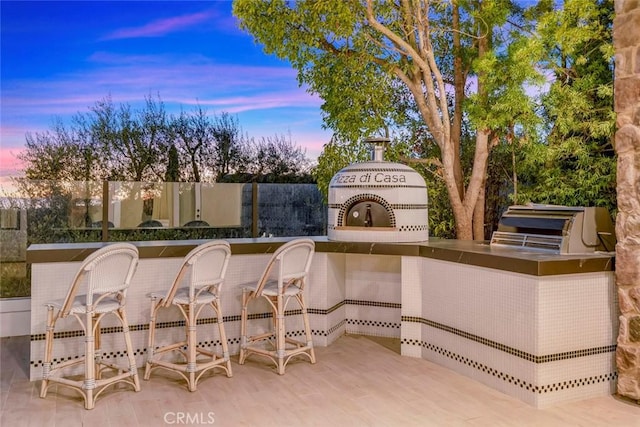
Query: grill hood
point(556, 229)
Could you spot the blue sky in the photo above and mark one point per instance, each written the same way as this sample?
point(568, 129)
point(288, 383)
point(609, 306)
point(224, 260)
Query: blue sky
point(58, 58)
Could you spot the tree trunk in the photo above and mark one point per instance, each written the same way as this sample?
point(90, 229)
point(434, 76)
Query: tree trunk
point(464, 221)
point(478, 213)
point(463, 211)
point(463, 217)
point(481, 155)
point(458, 86)
point(515, 173)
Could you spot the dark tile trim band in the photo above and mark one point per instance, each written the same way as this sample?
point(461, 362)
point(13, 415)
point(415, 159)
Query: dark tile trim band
point(235, 318)
point(236, 340)
point(534, 388)
point(374, 323)
point(210, 320)
point(373, 303)
point(510, 350)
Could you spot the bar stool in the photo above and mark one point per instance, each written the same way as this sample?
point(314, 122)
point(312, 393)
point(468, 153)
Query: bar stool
point(196, 285)
point(98, 288)
point(284, 277)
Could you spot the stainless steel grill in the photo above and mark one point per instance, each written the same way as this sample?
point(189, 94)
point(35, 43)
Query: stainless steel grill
point(556, 229)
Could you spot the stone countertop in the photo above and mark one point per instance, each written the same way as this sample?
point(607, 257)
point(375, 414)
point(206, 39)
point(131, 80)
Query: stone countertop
point(476, 253)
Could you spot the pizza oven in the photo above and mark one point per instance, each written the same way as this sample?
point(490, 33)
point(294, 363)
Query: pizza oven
point(378, 201)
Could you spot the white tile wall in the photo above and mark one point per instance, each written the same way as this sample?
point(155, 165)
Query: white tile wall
point(412, 279)
point(373, 279)
point(495, 305)
point(576, 309)
point(498, 327)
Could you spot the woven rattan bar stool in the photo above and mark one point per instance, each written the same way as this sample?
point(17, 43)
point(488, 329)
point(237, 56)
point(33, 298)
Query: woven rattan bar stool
point(196, 286)
point(284, 277)
point(99, 288)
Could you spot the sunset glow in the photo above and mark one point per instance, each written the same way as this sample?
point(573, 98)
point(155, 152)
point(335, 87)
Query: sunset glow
point(60, 58)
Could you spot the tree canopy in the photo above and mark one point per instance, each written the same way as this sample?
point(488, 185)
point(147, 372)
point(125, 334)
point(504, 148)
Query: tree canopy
point(459, 81)
point(383, 66)
point(120, 143)
point(575, 165)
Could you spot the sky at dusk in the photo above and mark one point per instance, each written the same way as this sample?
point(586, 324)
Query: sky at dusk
point(58, 58)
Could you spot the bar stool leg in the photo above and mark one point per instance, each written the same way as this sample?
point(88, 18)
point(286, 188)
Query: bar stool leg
point(223, 338)
point(243, 327)
point(133, 369)
point(191, 345)
point(307, 328)
point(89, 362)
point(280, 334)
point(48, 352)
point(152, 338)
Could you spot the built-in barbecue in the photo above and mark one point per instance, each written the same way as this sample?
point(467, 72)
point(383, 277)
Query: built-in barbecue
point(378, 201)
point(556, 229)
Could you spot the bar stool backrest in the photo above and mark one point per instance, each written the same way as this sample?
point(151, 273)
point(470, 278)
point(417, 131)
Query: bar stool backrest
point(203, 267)
point(291, 262)
point(106, 271)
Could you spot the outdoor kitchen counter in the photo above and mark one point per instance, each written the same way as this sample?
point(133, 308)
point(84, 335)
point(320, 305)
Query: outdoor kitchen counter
point(477, 253)
point(537, 326)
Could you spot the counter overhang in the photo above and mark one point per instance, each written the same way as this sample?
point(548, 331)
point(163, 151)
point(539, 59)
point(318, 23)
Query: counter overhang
point(476, 253)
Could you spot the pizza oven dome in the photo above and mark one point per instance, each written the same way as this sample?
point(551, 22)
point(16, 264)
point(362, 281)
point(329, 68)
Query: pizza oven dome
point(378, 201)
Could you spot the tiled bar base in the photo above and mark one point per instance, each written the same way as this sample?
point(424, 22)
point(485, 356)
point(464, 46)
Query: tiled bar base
point(358, 301)
point(543, 338)
point(372, 287)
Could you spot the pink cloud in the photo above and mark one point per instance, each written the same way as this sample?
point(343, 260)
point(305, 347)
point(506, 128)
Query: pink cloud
point(312, 142)
point(139, 75)
point(249, 91)
point(9, 163)
point(259, 101)
point(159, 27)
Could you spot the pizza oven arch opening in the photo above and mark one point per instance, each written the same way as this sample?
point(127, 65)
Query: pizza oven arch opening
point(366, 210)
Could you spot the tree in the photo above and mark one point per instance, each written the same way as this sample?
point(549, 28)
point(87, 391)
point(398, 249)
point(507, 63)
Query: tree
point(276, 157)
point(118, 142)
point(47, 157)
point(575, 165)
point(65, 153)
point(173, 165)
point(229, 148)
point(378, 65)
point(156, 134)
point(129, 139)
point(212, 145)
point(194, 137)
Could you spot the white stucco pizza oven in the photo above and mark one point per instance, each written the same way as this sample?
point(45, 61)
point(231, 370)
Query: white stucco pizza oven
point(378, 201)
